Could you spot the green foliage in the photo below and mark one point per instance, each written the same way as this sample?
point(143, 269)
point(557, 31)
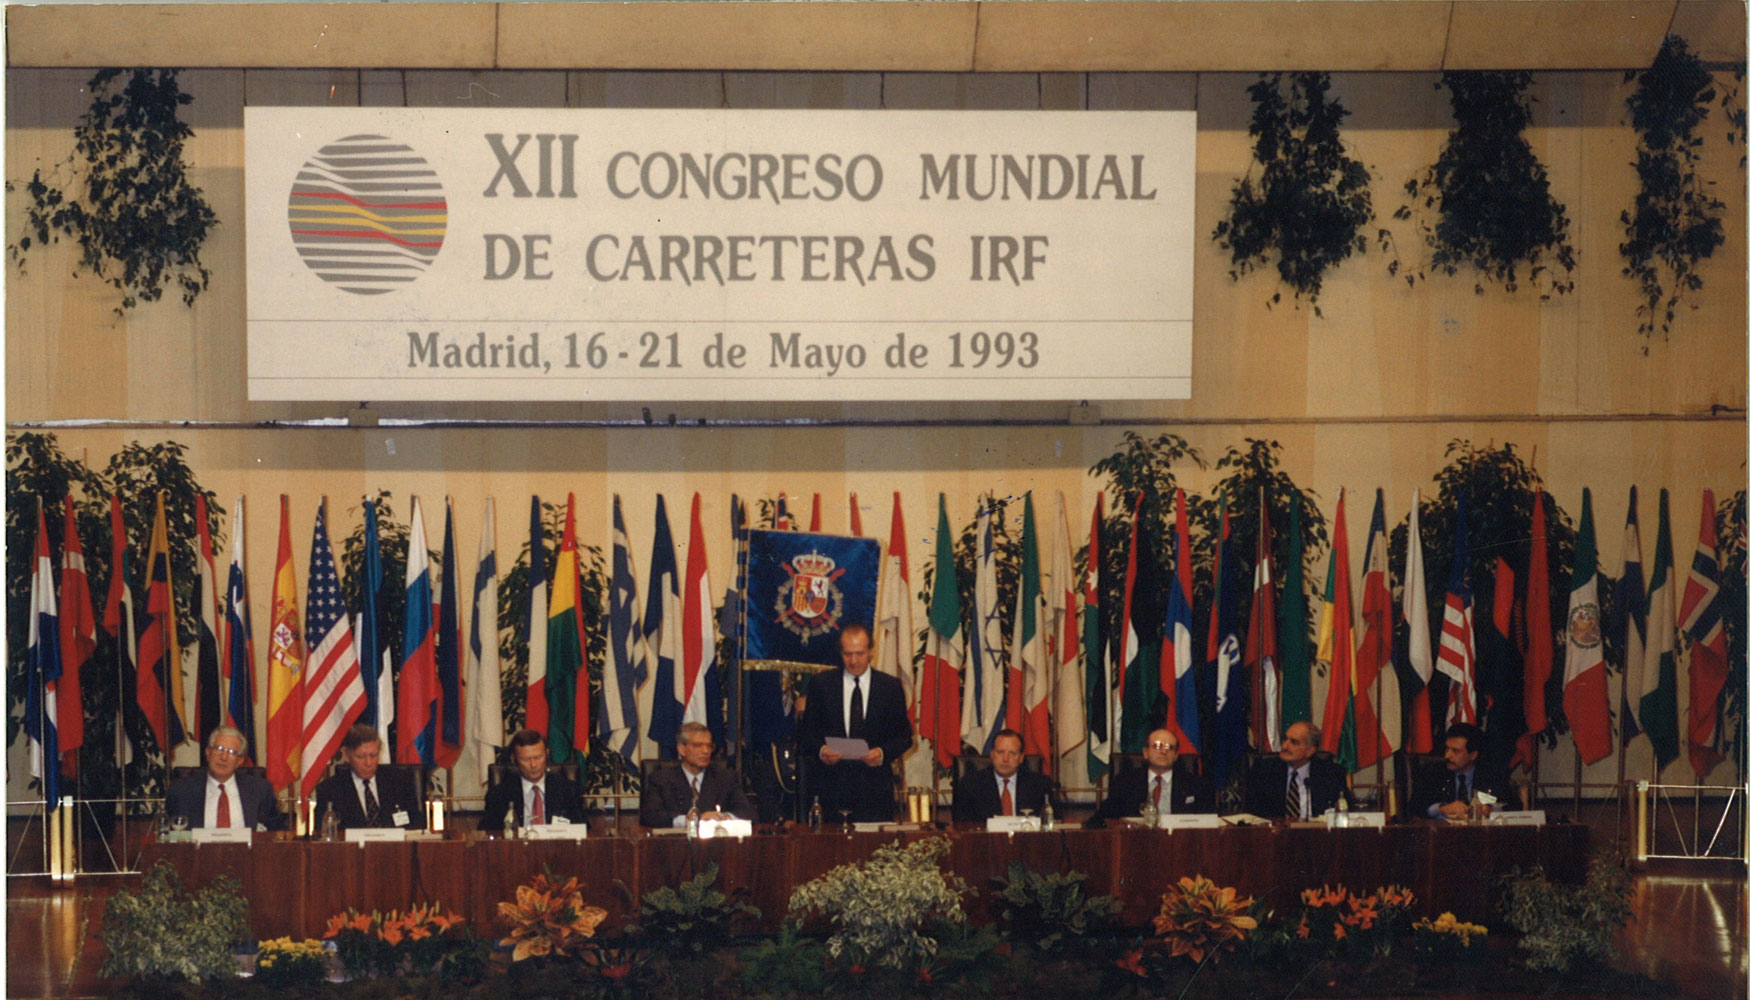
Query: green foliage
point(1308, 206)
point(1488, 192)
point(128, 203)
point(208, 924)
point(789, 964)
point(287, 964)
point(1050, 909)
point(888, 910)
point(1729, 524)
point(1675, 223)
point(692, 916)
point(1562, 925)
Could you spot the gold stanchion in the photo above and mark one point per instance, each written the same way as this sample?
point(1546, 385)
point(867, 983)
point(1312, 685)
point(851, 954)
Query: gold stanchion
point(1643, 821)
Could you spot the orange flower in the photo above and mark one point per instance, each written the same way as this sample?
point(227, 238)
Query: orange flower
point(1132, 963)
point(1339, 932)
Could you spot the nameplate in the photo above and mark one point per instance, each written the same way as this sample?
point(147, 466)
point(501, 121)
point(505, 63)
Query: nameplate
point(737, 828)
point(874, 827)
point(1011, 824)
point(557, 831)
point(1522, 817)
point(376, 835)
point(222, 835)
point(1366, 820)
point(1189, 821)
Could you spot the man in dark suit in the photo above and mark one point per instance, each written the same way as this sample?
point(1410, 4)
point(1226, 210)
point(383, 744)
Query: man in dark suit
point(1452, 795)
point(1166, 781)
point(536, 796)
point(1296, 785)
point(360, 796)
point(857, 703)
point(674, 791)
point(220, 796)
point(1003, 789)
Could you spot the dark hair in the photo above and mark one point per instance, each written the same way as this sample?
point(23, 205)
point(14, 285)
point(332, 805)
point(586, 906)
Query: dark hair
point(1471, 735)
point(1006, 732)
point(527, 738)
point(358, 736)
point(855, 628)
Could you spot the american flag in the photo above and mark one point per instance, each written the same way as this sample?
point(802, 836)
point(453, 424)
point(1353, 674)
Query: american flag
point(334, 693)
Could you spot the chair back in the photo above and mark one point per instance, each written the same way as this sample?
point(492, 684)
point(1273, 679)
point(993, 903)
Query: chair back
point(184, 770)
point(496, 773)
point(417, 771)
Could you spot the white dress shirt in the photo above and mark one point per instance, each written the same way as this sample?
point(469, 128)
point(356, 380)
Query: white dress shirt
point(529, 800)
point(861, 681)
point(1165, 781)
point(211, 818)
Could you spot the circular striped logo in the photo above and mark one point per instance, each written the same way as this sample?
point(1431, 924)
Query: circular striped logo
point(367, 214)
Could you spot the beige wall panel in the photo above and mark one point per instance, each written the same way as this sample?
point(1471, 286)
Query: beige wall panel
point(290, 35)
point(309, 88)
point(984, 91)
point(802, 90)
point(382, 88)
point(1209, 36)
point(653, 89)
point(485, 89)
point(1556, 34)
point(936, 36)
point(1714, 29)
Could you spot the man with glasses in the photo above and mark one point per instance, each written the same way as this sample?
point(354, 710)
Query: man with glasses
point(1167, 782)
point(221, 796)
point(536, 796)
point(1296, 785)
point(361, 795)
point(698, 783)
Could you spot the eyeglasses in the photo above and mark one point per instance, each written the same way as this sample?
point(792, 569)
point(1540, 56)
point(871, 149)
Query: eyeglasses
point(1159, 745)
point(225, 751)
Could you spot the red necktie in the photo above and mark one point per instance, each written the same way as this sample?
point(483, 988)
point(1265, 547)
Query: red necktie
point(1157, 794)
point(224, 813)
point(538, 816)
point(1008, 800)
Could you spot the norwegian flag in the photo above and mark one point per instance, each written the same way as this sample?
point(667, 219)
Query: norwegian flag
point(1700, 619)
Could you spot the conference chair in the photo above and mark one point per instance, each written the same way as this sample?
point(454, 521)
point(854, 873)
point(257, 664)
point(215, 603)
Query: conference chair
point(496, 773)
point(972, 763)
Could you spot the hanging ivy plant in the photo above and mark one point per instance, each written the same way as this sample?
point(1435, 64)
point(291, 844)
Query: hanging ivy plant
point(1675, 223)
point(1307, 207)
point(1488, 192)
point(128, 203)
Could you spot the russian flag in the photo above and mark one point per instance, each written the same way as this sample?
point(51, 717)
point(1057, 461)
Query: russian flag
point(416, 707)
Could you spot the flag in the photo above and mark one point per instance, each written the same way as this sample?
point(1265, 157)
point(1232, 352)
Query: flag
point(701, 694)
point(118, 622)
point(857, 515)
point(893, 630)
point(782, 520)
point(944, 652)
point(1539, 645)
point(1183, 719)
point(1415, 661)
point(1585, 688)
point(567, 662)
point(1457, 658)
point(1500, 662)
point(78, 640)
point(1657, 711)
point(1140, 639)
point(209, 698)
point(1701, 620)
point(285, 666)
point(449, 650)
point(1347, 713)
point(1261, 659)
point(417, 697)
point(981, 714)
point(770, 707)
point(334, 692)
point(1095, 655)
point(484, 684)
point(43, 664)
point(1228, 748)
point(1069, 699)
point(1031, 673)
point(1296, 654)
point(617, 726)
point(1376, 679)
point(662, 633)
point(238, 649)
point(814, 517)
point(1628, 623)
point(159, 668)
point(375, 670)
point(535, 699)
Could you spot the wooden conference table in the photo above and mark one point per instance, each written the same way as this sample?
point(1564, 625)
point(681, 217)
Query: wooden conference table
point(293, 887)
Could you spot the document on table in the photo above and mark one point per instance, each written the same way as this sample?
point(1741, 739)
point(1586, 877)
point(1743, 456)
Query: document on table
point(846, 747)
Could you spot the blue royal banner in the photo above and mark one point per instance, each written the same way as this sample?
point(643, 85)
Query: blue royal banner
point(801, 590)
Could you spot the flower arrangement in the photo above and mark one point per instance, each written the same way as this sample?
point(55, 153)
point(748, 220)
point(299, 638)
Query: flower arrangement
point(1448, 939)
point(1199, 918)
point(284, 962)
point(378, 944)
point(549, 918)
point(1344, 923)
point(885, 909)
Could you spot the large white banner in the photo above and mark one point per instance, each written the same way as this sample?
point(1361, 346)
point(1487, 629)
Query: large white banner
point(476, 254)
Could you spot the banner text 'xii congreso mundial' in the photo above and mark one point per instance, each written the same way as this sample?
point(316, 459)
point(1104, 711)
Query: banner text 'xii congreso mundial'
point(473, 254)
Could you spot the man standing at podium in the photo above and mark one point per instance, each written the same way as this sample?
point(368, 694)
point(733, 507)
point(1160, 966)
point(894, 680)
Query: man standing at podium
point(855, 703)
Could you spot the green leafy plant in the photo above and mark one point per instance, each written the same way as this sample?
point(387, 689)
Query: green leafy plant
point(1561, 925)
point(1447, 939)
point(1730, 529)
point(1051, 908)
point(208, 925)
point(694, 915)
point(1488, 193)
point(1200, 919)
point(1675, 223)
point(790, 964)
point(1308, 205)
point(1339, 923)
point(883, 910)
point(127, 200)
